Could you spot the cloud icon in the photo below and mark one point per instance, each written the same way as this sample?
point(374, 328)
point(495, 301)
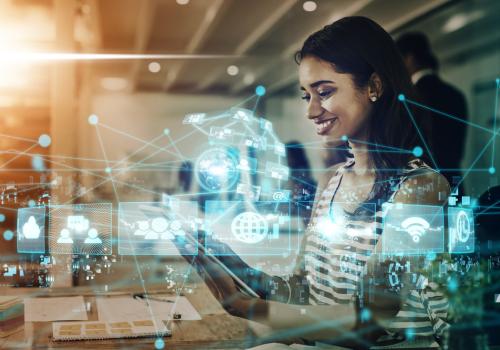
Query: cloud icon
point(30, 229)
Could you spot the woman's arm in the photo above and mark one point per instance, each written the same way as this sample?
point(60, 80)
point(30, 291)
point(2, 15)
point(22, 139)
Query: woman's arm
point(288, 289)
point(308, 321)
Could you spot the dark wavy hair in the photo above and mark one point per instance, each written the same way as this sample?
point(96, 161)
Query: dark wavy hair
point(360, 47)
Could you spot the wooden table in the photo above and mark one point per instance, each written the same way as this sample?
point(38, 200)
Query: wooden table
point(216, 330)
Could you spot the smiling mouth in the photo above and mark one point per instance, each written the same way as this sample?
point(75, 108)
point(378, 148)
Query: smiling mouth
point(323, 127)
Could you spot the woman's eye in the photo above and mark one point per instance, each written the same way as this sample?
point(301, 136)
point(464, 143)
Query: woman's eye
point(305, 97)
point(325, 93)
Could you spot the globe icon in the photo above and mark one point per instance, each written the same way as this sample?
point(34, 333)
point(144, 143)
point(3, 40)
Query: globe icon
point(249, 227)
point(216, 169)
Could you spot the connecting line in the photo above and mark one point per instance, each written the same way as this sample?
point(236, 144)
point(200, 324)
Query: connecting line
point(106, 158)
point(489, 207)
point(165, 149)
point(256, 104)
point(55, 156)
point(132, 248)
point(136, 151)
point(135, 138)
point(450, 116)
point(494, 125)
point(179, 154)
point(420, 135)
point(200, 130)
point(19, 138)
point(243, 102)
point(477, 158)
point(221, 116)
point(18, 155)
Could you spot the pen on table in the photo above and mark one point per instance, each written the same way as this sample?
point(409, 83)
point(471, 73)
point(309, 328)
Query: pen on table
point(143, 296)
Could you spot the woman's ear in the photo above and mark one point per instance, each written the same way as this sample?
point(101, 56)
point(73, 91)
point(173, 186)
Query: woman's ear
point(375, 87)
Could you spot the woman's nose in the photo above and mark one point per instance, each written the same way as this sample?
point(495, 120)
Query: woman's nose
point(314, 109)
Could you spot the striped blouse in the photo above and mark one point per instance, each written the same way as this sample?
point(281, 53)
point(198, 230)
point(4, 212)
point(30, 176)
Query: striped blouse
point(336, 248)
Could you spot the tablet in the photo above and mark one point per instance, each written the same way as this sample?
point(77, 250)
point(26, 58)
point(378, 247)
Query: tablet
point(154, 211)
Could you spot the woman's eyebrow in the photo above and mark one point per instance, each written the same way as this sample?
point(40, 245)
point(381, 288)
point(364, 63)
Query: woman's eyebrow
point(317, 83)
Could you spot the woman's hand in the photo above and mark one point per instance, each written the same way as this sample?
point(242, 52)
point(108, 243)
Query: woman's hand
point(222, 286)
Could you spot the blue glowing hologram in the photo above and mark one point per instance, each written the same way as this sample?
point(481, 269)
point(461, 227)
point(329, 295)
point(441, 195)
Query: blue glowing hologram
point(277, 171)
point(331, 224)
point(411, 229)
point(194, 118)
point(250, 192)
point(217, 170)
point(240, 149)
point(461, 230)
point(150, 228)
point(31, 230)
point(248, 164)
point(259, 229)
point(84, 229)
point(219, 133)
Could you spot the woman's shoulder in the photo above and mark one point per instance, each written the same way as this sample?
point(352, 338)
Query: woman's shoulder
point(422, 184)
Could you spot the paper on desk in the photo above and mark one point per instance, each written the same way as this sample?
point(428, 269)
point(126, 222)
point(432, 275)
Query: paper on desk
point(54, 309)
point(126, 308)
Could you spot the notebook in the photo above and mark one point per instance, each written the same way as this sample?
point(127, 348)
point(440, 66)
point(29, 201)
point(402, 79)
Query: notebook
point(95, 330)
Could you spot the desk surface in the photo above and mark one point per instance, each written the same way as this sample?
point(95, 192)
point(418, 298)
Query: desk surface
point(217, 329)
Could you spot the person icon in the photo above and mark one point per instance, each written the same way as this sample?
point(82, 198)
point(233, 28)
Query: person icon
point(64, 237)
point(142, 228)
point(93, 237)
point(176, 228)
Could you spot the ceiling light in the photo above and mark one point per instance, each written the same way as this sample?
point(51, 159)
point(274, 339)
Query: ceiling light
point(248, 79)
point(154, 67)
point(309, 6)
point(182, 2)
point(460, 20)
point(114, 83)
point(233, 70)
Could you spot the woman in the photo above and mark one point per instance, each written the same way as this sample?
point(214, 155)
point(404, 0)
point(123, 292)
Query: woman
point(351, 79)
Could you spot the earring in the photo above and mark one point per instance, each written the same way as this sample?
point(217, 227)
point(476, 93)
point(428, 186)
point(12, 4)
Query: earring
point(373, 98)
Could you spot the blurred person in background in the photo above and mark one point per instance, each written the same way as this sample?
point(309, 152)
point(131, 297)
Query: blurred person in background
point(446, 139)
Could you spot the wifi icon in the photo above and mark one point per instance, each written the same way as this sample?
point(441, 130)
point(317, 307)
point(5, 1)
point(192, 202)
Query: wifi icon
point(416, 227)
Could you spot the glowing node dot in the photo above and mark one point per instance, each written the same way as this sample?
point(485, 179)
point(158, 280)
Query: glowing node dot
point(418, 151)
point(44, 140)
point(365, 315)
point(260, 90)
point(159, 344)
point(154, 67)
point(108, 170)
point(410, 334)
point(401, 97)
point(309, 6)
point(233, 70)
point(452, 285)
point(166, 131)
point(93, 119)
point(491, 170)
point(8, 235)
point(2, 217)
point(344, 138)
point(31, 203)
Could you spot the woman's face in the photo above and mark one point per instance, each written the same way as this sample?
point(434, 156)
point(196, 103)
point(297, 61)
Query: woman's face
point(334, 104)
